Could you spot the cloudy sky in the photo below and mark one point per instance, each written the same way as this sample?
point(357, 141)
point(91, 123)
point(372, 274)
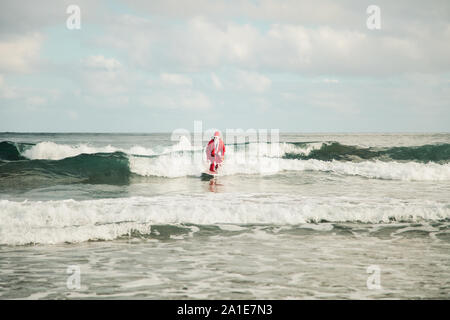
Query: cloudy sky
point(152, 66)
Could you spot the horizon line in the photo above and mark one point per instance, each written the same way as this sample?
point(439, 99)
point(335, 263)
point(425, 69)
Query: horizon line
point(282, 132)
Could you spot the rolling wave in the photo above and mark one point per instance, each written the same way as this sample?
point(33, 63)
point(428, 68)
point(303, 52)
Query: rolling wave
point(23, 164)
point(104, 168)
point(10, 151)
point(325, 151)
point(337, 151)
point(59, 221)
point(180, 166)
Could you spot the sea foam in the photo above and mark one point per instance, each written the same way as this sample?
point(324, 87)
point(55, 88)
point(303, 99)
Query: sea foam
point(61, 221)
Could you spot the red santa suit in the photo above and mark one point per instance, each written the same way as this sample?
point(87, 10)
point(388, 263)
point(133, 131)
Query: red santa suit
point(215, 151)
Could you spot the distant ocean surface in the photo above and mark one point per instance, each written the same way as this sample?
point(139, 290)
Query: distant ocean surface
point(307, 222)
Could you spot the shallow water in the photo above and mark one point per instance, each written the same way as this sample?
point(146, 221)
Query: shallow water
point(264, 263)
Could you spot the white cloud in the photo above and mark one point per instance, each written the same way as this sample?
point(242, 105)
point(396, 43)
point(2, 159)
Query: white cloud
point(27, 96)
point(340, 102)
point(105, 77)
point(7, 92)
point(36, 101)
point(194, 100)
point(24, 16)
point(293, 11)
point(261, 104)
point(252, 81)
point(188, 49)
point(289, 35)
point(216, 81)
point(199, 44)
point(184, 99)
point(175, 79)
point(100, 62)
point(326, 80)
point(19, 53)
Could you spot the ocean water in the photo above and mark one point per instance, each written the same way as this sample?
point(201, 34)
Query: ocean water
point(313, 216)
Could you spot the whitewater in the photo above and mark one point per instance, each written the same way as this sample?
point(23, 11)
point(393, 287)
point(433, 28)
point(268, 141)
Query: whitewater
point(291, 219)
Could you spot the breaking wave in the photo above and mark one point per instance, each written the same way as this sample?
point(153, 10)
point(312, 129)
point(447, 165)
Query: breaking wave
point(48, 162)
point(50, 222)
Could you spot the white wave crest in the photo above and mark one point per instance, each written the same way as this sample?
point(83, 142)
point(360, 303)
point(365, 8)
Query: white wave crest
point(180, 165)
point(53, 151)
point(296, 149)
point(408, 171)
point(50, 222)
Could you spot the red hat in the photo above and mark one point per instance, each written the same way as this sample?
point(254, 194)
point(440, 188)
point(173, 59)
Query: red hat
point(217, 134)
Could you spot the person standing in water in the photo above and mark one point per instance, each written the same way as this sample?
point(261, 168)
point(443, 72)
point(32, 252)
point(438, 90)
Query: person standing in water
point(215, 152)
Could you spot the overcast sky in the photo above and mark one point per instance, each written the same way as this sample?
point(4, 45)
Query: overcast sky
point(152, 66)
